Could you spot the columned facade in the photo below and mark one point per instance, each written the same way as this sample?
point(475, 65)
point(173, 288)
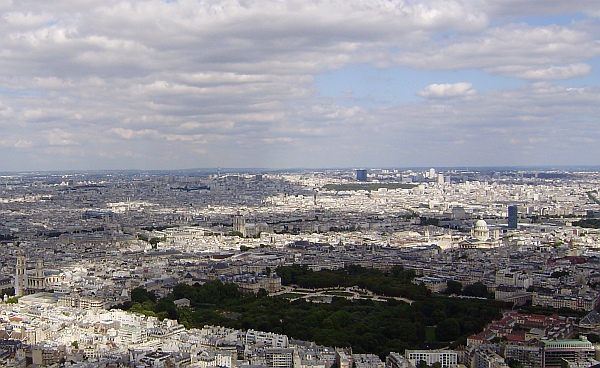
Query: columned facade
point(29, 283)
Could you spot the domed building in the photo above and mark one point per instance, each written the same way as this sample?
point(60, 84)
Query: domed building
point(480, 237)
point(481, 231)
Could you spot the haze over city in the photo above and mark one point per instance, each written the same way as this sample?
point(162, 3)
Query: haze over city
point(280, 84)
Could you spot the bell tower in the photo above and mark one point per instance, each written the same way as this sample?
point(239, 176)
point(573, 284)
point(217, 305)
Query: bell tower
point(20, 275)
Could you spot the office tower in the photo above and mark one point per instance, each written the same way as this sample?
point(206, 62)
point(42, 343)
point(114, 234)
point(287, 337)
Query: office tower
point(513, 215)
point(361, 175)
point(440, 178)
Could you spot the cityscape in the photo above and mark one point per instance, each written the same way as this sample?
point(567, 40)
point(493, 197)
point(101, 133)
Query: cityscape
point(299, 184)
point(89, 260)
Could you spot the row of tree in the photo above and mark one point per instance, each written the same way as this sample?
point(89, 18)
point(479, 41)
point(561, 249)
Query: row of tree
point(478, 289)
point(588, 222)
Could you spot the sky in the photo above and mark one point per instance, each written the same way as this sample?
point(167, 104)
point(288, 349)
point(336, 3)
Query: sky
point(180, 84)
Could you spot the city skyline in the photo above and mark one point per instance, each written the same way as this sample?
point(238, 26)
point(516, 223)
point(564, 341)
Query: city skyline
point(202, 269)
point(157, 85)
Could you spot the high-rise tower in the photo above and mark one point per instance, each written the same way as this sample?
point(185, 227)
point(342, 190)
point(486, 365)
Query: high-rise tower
point(361, 175)
point(513, 216)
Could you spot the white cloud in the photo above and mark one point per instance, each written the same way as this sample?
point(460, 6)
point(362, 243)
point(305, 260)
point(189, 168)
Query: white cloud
point(23, 144)
point(545, 73)
point(219, 79)
point(27, 19)
point(19, 144)
point(447, 90)
point(524, 49)
point(59, 137)
point(5, 111)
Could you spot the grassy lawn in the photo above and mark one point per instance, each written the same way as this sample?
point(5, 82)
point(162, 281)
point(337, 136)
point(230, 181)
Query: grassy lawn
point(338, 293)
point(430, 334)
point(292, 295)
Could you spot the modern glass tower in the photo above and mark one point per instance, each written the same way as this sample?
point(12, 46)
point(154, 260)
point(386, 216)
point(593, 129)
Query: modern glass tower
point(361, 175)
point(513, 216)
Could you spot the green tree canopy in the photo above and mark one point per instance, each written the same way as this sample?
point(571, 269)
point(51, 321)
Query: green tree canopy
point(477, 289)
point(453, 287)
point(447, 330)
point(141, 295)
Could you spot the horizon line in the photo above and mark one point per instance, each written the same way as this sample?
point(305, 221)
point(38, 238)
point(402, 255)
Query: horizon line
point(293, 169)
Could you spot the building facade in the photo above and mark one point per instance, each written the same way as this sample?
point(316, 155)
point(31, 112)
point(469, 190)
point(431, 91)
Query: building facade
point(555, 351)
point(513, 217)
point(29, 281)
point(446, 358)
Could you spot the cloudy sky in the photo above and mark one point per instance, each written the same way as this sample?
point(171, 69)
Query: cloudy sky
point(116, 84)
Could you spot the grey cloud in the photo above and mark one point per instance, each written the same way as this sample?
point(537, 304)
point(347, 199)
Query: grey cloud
point(524, 8)
point(517, 50)
point(143, 35)
point(231, 83)
point(545, 72)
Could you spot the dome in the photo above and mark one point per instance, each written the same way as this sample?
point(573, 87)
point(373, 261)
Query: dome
point(481, 231)
point(481, 224)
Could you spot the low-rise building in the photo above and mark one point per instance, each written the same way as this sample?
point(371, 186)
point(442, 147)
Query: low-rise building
point(446, 358)
point(555, 351)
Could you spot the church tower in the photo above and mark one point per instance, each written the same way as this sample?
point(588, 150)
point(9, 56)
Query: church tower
point(239, 224)
point(36, 282)
point(20, 275)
